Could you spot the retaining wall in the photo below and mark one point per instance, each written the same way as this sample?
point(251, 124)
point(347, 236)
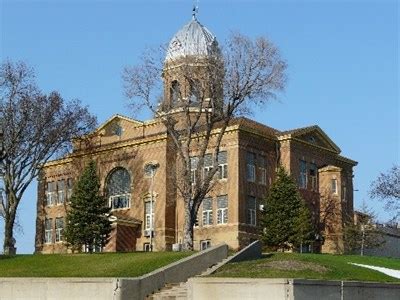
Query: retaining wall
point(289, 289)
point(57, 288)
point(110, 288)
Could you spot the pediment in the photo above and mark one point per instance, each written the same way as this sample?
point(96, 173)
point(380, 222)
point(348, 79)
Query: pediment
point(322, 140)
point(313, 135)
point(116, 129)
point(116, 126)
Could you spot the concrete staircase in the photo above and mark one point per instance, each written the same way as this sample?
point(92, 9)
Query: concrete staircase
point(171, 291)
point(179, 291)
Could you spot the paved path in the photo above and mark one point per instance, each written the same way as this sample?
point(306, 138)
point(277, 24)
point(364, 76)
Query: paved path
point(387, 271)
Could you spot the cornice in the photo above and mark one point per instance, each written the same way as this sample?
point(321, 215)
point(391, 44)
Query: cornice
point(347, 160)
point(104, 149)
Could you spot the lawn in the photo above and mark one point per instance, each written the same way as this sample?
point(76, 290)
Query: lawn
point(311, 266)
point(86, 265)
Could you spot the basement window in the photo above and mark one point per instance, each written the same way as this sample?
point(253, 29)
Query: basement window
point(205, 244)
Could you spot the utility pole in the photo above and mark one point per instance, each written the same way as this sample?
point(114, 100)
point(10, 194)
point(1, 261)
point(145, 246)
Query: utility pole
point(362, 238)
point(152, 168)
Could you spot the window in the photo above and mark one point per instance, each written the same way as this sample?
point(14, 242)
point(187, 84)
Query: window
point(195, 87)
point(69, 188)
point(59, 229)
point(262, 166)
point(344, 193)
point(208, 164)
point(118, 189)
point(207, 212)
point(51, 193)
point(251, 217)
point(117, 130)
point(222, 209)
point(196, 222)
point(313, 177)
point(205, 244)
point(146, 247)
point(149, 215)
point(175, 92)
point(334, 186)
point(222, 165)
point(251, 166)
point(48, 231)
point(60, 191)
point(303, 175)
point(96, 248)
point(194, 161)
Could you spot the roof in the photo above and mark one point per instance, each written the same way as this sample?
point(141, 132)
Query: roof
point(245, 122)
point(121, 217)
point(116, 117)
point(293, 133)
point(193, 40)
point(300, 130)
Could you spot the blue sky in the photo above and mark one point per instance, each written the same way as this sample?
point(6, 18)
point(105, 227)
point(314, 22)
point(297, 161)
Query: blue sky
point(342, 55)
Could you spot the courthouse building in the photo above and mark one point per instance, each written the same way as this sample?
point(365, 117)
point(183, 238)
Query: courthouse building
point(249, 155)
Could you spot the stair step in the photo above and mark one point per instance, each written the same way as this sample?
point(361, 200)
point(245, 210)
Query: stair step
point(179, 291)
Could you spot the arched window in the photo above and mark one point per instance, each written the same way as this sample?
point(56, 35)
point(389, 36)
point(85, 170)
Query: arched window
point(175, 92)
point(195, 88)
point(118, 188)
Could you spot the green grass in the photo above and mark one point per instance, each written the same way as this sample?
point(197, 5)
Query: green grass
point(86, 265)
point(311, 266)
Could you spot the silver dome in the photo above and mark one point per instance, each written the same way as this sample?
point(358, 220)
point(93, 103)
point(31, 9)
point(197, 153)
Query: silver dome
point(193, 40)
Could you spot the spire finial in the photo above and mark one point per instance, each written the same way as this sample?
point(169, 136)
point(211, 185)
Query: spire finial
point(195, 10)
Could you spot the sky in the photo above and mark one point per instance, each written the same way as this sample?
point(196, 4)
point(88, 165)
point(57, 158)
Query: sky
point(343, 66)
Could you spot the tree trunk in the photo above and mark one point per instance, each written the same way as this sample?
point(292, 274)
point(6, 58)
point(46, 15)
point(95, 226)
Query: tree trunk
point(8, 245)
point(9, 221)
point(188, 229)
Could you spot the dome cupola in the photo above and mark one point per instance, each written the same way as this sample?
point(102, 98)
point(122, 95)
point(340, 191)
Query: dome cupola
point(193, 40)
point(193, 69)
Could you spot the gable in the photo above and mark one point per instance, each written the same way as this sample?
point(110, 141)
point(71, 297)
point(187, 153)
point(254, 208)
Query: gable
point(313, 135)
point(116, 125)
point(321, 140)
point(115, 129)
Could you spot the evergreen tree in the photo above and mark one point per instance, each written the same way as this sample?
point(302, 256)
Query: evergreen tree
point(286, 221)
point(87, 218)
point(304, 233)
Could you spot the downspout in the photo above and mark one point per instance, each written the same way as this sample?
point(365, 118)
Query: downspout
point(278, 154)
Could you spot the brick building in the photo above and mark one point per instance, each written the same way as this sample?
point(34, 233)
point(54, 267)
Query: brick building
point(249, 155)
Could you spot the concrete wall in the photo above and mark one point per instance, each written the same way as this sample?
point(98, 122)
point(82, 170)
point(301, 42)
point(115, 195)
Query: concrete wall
point(289, 289)
point(57, 288)
point(110, 288)
point(252, 251)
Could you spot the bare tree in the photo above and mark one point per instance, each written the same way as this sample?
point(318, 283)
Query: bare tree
point(36, 128)
point(213, 91)
point(387, 187)
point(363, 233)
